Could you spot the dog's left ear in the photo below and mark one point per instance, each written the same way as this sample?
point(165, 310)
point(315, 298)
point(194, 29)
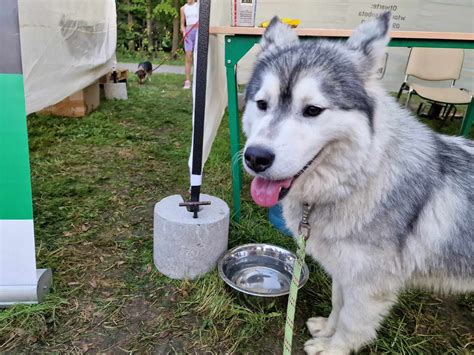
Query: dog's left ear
point(370, 40)
point(277, 35)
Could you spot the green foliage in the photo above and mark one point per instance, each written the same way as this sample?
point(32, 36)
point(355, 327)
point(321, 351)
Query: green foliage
point(165, 8)
point(132, 24)
point(125, 56)
point(134, 31)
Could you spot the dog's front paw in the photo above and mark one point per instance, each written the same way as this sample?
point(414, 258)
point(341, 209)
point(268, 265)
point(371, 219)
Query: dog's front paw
point(316, 346)
point(318, 327)
point(321, 346)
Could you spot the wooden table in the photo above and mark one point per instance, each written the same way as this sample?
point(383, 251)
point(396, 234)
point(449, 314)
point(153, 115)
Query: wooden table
point(239, 40)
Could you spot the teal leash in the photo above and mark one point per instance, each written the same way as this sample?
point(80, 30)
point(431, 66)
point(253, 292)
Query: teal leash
point(304, 231)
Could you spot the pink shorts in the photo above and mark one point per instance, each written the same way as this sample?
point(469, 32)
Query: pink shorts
point(190, 39)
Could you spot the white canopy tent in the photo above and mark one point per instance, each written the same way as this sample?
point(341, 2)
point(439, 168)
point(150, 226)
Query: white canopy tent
point(408, 15)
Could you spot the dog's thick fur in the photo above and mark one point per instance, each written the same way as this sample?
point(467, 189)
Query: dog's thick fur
point(144, 72)
point(392, 201)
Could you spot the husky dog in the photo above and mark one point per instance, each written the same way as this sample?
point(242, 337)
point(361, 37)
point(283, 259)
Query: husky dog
point(391, 201)
point(145, 69)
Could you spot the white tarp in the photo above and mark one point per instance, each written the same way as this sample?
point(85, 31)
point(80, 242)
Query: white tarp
point(66, 45)
point(408, 15)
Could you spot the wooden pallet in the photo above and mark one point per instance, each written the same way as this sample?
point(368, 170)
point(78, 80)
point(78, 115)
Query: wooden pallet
point(78, 104)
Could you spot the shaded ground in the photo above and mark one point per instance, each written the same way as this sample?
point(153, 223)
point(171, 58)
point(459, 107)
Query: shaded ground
point(95, 181)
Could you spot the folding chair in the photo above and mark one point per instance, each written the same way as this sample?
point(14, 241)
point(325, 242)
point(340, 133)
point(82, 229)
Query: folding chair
point(436, 64)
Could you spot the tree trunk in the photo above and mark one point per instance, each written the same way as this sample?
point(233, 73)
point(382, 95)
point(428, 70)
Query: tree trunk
point(149, 25)
point(130, 22)
point(174, 42)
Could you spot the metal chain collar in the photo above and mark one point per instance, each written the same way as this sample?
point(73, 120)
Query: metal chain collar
point(304, 229)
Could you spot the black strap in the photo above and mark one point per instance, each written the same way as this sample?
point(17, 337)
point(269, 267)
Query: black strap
point(200, 94)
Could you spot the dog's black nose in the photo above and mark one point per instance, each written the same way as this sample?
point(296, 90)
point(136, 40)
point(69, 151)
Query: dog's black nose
point(258, 158)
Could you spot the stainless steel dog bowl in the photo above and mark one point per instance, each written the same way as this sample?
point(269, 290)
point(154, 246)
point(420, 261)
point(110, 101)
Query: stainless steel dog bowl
point(261, 270)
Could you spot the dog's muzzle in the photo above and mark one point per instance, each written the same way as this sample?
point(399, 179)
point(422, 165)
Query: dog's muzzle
point(266, 192)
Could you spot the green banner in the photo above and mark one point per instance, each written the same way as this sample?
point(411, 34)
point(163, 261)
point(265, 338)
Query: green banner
point(15, 183)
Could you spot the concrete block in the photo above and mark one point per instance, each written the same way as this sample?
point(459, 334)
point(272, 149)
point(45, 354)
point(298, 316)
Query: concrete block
point(187, 247)
point(117, 91)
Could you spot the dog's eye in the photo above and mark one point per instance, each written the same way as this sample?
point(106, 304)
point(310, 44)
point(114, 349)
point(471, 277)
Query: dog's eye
point(312, 111)
point(262, 105)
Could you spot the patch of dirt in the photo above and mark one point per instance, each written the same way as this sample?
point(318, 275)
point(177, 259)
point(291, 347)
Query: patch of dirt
point(128, 154)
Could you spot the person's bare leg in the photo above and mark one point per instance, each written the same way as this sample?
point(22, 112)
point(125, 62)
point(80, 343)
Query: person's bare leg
point(187, 65)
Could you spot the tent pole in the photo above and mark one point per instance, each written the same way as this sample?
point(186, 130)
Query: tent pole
point(200, 82)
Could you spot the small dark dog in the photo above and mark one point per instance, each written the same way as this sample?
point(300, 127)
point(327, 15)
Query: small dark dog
point(145, 69)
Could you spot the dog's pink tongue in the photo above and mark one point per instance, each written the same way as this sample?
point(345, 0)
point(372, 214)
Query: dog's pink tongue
point(265, 192)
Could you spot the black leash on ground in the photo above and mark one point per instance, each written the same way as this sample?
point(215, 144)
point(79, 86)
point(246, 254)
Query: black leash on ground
point(179, 44)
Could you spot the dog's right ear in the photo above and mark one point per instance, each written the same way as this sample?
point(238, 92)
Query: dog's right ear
point(277, 35)
point(370, 39)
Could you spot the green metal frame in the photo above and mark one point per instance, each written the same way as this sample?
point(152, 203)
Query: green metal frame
point(236, 46)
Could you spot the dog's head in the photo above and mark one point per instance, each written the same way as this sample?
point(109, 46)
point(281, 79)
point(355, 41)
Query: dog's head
point(307, 101)
point(141, 75)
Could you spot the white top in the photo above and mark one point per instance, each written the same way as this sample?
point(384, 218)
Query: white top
point(191, 12)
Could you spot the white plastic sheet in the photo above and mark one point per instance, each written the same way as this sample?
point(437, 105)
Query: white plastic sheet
point(66, 45)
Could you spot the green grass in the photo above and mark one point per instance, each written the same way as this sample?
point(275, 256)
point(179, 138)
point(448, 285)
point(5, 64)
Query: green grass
point(450, 127)
point(95, 182)
point(155, 57)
